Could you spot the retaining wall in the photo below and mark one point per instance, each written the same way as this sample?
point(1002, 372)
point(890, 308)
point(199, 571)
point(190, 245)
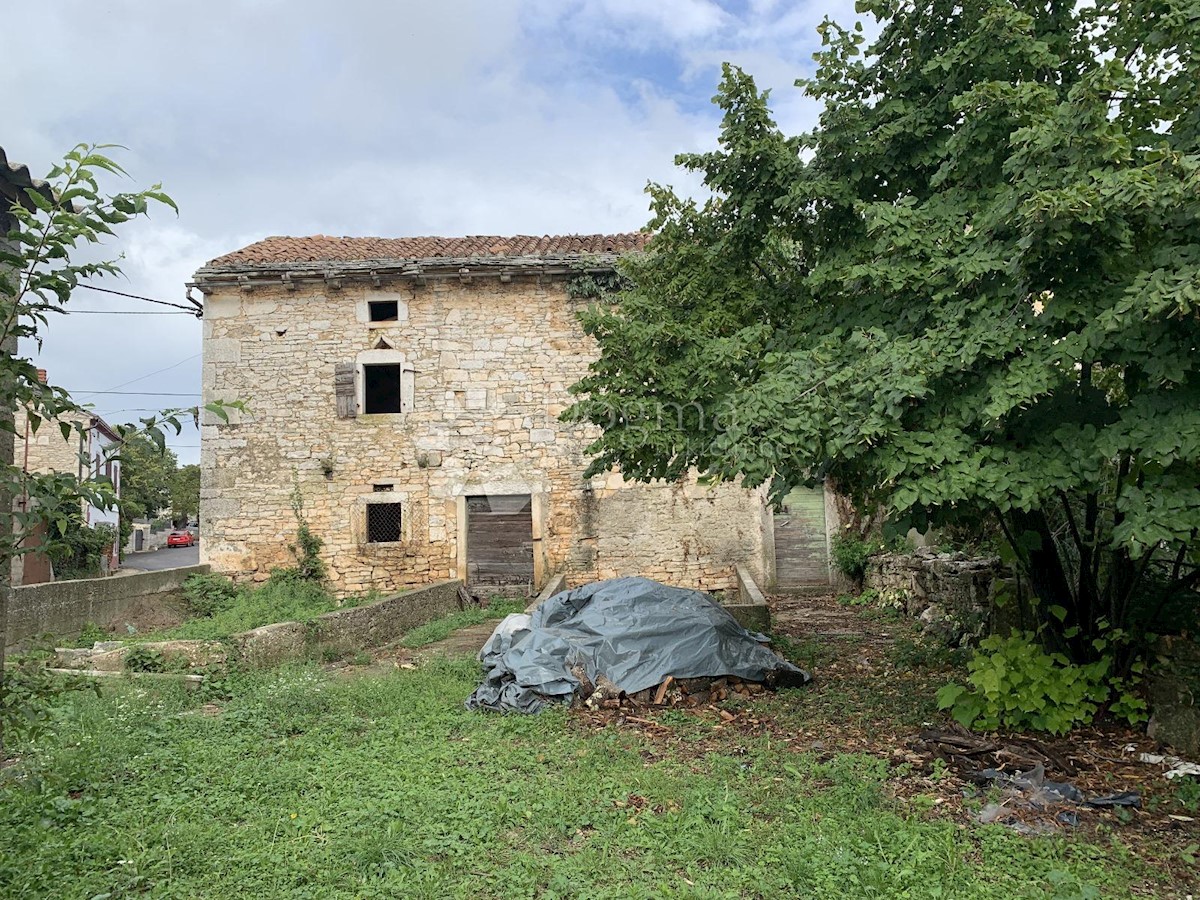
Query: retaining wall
point(65, 607)
point(360, 627)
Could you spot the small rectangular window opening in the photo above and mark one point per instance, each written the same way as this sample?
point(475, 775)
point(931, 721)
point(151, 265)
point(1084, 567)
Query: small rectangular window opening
point(383, 523)
point(383, 310)
point(381, 389)
point(381, 488)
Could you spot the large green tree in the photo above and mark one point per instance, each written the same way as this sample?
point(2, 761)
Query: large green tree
point(185, 494)
point(972, 291)
point(147, 472)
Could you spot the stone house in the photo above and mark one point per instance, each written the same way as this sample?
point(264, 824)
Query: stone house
point(88, 452)
point(404, 396)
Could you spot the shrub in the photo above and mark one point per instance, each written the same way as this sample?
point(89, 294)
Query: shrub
point(1016, 684)
point(77, 553)
point(850, 555)
point(207, 595)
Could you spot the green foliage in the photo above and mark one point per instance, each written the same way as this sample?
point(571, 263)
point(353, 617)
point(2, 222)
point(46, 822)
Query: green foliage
point(145, 659)
point(869, 597)
point(307, 549)
point(442, 628)
point(923, 652)
point(89, 636)
point(44, 231)
point(851, 554)
point(28, 697)
point(223, 609)
point(77, 552)
point(185, 494)
point(207, 595)
point(1015, 683)
point(147, 470)
point(304, 785)
point(969, 293)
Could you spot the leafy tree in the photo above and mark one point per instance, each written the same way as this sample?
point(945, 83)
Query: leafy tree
point(44, 229)
point(147, 473)
point(185, 494)
point(973, 290)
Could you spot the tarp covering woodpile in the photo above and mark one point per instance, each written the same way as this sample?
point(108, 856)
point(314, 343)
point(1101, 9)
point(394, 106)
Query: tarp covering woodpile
point(632, 632)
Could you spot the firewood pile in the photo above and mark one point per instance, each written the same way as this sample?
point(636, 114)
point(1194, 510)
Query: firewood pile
point(674, 692)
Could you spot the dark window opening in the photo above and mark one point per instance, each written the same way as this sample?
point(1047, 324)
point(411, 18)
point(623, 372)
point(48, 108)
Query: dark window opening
point(383, 310)
point(381, 488)
point(381, 389)
point(383, 523)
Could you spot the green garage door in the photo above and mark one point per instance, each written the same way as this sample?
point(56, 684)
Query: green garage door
point(801, 554)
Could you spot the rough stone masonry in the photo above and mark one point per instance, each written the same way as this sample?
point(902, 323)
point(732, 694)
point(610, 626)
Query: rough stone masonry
point(420, 374)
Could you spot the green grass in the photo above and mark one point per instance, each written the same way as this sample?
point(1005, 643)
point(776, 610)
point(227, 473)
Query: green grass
point(442, 628)
point(310, 786)
point(277, 600)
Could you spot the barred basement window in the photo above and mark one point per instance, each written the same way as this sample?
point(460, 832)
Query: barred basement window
point(383, 523)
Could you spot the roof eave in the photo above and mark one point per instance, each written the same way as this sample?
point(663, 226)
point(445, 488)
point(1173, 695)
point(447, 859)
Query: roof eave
point(426, 267)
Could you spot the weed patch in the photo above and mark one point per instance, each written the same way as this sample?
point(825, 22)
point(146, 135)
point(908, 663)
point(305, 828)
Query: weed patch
point(306, 785)
point(442, 628)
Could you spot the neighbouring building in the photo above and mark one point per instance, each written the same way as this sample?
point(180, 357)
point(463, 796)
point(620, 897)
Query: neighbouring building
point(88, 452)
point(403, 397)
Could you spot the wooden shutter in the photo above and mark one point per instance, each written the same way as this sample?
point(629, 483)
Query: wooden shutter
point(343, 389)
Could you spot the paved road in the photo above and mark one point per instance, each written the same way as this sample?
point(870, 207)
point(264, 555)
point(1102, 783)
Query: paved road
point(166, 558)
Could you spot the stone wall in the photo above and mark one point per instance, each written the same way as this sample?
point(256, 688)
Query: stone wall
point(65, 607)
point(487, 366)
point(953, 594)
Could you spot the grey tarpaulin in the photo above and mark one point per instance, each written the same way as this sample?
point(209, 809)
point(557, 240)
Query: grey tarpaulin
point(633, 631)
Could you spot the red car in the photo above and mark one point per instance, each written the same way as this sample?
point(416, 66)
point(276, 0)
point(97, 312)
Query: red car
point(180, 539)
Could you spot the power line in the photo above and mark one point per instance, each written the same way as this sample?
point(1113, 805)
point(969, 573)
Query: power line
point(122, 312)
point(193, 310)
point(148, 393)
point(143, 377)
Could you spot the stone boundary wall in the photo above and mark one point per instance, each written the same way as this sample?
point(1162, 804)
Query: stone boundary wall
point(65, 607)
point(953, 594)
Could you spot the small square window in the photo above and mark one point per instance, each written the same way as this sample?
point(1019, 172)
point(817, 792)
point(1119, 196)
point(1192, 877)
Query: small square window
point(383, 310)
point(383, 523)
point(381, 389)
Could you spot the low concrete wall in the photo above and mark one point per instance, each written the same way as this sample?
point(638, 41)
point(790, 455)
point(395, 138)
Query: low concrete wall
point(387, 620)
point(357, 628)
point(65, 607)
point(750, 608)
point(555, 585)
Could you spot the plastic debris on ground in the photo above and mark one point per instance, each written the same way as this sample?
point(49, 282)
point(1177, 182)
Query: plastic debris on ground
point(624, 635)
point(1034, 805)
point(1173, 765)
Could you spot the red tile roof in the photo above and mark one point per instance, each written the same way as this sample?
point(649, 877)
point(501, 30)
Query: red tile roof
point(321, 248)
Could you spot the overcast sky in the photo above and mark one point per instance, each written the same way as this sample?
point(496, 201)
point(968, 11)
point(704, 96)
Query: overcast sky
point(366, 117)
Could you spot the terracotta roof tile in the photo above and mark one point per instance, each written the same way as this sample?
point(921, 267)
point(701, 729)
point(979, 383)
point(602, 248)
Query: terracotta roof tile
point(322, 248)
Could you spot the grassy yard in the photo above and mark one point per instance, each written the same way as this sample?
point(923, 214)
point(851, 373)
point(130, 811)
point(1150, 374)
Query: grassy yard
point(294, 783)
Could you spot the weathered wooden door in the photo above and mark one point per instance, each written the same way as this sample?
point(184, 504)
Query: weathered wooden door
point(500, 541)
point(801, 553)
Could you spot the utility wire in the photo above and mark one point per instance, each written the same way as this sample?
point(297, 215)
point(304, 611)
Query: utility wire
point(149, 393)
point(122, 312)
point(143, 377)
point(193, 310)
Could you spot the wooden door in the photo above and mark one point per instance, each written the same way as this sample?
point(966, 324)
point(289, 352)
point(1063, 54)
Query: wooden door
point(801, 553)
point(500, 541)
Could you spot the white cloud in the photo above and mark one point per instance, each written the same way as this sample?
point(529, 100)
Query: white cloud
point(269, 117)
